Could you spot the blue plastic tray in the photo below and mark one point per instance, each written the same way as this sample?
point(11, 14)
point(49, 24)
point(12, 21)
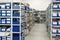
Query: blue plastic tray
point(16, 37)
point(16, 14)
point(16, 7)
point(16, 28)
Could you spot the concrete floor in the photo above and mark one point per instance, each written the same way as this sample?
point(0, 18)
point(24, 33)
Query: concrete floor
point(38, 32)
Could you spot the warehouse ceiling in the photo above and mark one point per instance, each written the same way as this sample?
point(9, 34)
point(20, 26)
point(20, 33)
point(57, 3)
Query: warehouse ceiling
point(39, 4)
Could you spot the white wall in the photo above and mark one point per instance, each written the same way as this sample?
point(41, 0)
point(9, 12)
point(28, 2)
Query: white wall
point(39, 4)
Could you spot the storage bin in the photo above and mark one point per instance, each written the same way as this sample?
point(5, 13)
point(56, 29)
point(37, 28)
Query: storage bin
point(0, 38)
point(16, 28)
point(8, 38)
point(16, 14)
point(54, 23)
point(3, 21)
point(0, 13)
point(16, 37)
point(8, 13)
point(54, 31)
point(3, 13)
point(8, 6)
point(0, 21)
point(26, 8)
point(58, 14)
point(3, 29)
point(54, 14)
point(16, 7)
point(2, 6)
point(8, 19)
point(16, 21)
point(55, 6)
point(8, 22)
point(3, 38)
point(58, 31)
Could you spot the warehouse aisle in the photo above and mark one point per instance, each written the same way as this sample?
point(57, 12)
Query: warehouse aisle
point(38, 32)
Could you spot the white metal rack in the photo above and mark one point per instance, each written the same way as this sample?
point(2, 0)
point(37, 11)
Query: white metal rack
point(53, 20)
point(10, 24)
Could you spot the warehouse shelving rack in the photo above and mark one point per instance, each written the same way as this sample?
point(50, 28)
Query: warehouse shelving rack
point(53, 20)
point(13, 20)
point(10, 21)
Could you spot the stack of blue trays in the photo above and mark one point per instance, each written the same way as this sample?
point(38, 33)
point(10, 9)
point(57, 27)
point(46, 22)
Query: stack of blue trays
point(16, 37)
point(16, 28)
point(16, 21)
point(16, 14)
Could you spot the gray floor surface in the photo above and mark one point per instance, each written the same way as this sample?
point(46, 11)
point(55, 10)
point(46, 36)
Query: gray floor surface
point(38, 32)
